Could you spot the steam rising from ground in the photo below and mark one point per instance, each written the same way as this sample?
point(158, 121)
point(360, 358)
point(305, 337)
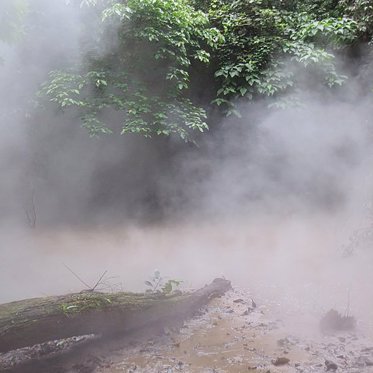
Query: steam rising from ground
point(265, 203)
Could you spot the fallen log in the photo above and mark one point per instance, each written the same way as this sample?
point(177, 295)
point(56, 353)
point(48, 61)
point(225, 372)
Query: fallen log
point(32, 321)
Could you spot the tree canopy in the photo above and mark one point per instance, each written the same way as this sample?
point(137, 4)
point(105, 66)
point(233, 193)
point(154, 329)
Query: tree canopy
point(149, 60)
point(11, 16)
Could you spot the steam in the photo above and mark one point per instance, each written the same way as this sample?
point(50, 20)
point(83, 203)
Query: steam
point(265, 202)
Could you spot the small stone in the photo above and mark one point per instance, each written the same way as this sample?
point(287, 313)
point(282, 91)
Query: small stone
point(167, 331)
point(367, 349)
point(364, 361)
point(333, 321)
point(239, 300)
point(280, 361)
point(330, 365)
point(247, 312)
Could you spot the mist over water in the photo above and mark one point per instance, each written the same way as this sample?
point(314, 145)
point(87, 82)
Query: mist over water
point(268, 204)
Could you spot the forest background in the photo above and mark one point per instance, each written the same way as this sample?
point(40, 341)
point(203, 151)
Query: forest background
point(140, 109)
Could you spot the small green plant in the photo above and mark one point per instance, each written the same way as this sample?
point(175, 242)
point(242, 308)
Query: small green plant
point(171, 286)
point(158, 284)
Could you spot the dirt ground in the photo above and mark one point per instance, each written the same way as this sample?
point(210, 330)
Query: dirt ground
point(238, 334)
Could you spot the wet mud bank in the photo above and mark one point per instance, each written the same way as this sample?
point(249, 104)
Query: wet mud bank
point(237, 334)
point(233, 333)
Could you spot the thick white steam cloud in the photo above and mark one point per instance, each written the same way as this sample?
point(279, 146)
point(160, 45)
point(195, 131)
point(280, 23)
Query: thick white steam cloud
point(265, 202)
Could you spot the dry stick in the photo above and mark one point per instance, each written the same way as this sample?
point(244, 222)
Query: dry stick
point(113, 287)
point(83, 282)
point(31, 216)
point(99, 281)
point(348, 303)
point(33, 209)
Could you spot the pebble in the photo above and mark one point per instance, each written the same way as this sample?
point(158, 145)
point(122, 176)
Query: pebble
point(330, 365)
point(280, 361)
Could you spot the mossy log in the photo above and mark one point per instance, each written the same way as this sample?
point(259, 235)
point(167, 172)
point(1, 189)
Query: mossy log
point(31, 321)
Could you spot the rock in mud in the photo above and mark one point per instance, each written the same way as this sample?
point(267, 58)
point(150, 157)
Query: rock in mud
point(239, 300)
point(330, 366)
point(364, 361)
point(333, 322)
point(247, 312)
point(280, 361)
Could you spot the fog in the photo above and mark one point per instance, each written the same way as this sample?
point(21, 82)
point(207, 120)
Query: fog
point(270, 204)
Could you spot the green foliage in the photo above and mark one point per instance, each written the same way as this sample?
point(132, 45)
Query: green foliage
point(268, 45)
point(147, 78)
point(250, 49)
point(86, 301)
point(143, 113)
point(154, 283)
point(157, 284)
point(12, 13)
point(362, 12)
point(170, 286)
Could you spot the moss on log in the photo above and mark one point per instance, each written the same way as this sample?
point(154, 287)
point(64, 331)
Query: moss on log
point(31, 321)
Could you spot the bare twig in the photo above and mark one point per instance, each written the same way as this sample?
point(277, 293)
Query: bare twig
point(347, 314)
point(99, 280)
point(89, 288)
point(82, 281)
point(31, 213)
point(107, 284)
